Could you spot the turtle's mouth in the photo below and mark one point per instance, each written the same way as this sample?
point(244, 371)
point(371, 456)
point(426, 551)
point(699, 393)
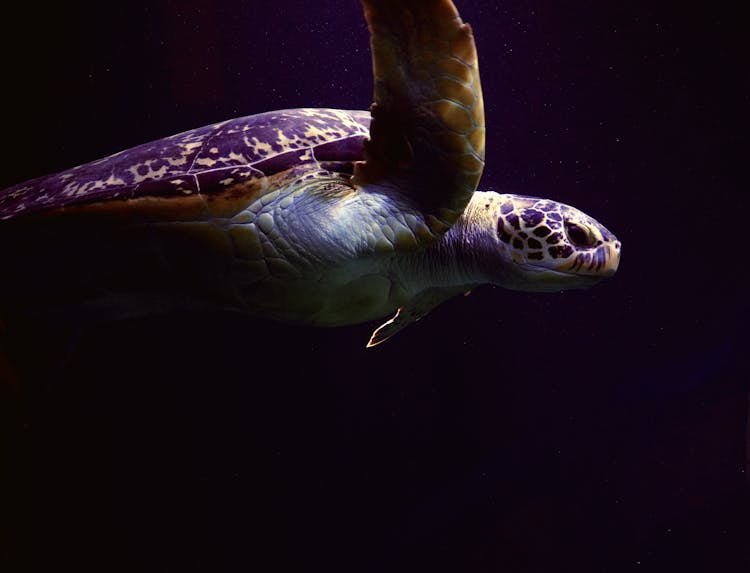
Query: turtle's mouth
point(545, 279)
point(595, 264)
point(547, 270)
point(566, 273)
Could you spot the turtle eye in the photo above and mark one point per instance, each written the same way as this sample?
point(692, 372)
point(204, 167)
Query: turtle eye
point(579, 235)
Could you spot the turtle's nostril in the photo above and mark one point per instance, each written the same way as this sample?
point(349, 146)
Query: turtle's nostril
point(613, 259)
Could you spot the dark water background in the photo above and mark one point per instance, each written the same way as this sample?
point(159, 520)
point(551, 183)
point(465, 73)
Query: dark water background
point(603, 430)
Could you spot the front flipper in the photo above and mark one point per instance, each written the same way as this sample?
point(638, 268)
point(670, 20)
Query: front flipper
point(412, 311)
point(427, 132)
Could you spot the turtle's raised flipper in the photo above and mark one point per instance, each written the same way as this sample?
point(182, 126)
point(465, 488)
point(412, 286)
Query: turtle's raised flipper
point(427, 133)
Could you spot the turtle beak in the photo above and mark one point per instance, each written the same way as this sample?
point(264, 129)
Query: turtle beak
point(605, 260)
point(601, 262)
point(611, 259)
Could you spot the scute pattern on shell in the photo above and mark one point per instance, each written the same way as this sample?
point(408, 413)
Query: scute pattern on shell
point(201, 160)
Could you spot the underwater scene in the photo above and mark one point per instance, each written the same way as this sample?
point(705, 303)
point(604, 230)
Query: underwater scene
point(495, 323)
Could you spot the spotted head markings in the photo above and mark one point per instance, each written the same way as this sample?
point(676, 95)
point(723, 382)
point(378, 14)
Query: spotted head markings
point(202, 161)
point(543, 230)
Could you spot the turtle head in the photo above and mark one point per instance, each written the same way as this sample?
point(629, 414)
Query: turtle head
point(549, 246)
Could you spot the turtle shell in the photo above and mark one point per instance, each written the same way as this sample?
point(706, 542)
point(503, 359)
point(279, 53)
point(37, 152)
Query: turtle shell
point(233, 160)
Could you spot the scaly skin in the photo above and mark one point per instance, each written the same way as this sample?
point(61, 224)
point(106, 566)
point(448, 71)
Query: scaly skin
point(339, 265)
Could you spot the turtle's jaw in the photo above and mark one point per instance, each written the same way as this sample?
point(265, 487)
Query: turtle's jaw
point(602, 261)
point(561, 280)
point(582, 270)
point(542, 279)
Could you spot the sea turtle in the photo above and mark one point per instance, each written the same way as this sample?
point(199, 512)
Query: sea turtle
point(315, 216)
